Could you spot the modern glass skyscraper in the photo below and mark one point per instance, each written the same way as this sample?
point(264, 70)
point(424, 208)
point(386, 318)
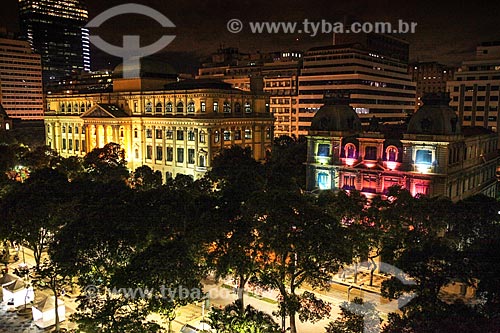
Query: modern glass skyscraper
point(56, 30)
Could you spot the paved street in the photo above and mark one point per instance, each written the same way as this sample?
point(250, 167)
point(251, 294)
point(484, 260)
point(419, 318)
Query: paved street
point(221, 296)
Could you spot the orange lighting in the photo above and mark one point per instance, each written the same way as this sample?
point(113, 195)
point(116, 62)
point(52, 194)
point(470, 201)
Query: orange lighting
point(392, 165)
point(350, 161)
point(370, 165)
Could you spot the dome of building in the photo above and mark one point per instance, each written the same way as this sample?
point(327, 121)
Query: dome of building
point(150, 68)
point(435, 117)
point(336, 115)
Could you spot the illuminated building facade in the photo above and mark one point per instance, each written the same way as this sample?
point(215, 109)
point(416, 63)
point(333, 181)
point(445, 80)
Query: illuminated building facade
point(177, 129)
point(56, 30)
point(276, 73)
point(21, 91)
point(475, 90)
point(433, 155)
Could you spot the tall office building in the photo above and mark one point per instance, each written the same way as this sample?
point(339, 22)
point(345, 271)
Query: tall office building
point(430, 77)
point(376, 85)
point(55, 30)
point(475, 90)
point(21, 91)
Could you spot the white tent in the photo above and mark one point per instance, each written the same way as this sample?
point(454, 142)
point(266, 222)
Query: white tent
point(8, 279)
point(44, 313)
point(18, 293)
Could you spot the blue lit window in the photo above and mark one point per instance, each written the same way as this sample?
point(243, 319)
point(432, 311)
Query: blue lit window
point(424, 156)
point(324, 150)
point(323, 182)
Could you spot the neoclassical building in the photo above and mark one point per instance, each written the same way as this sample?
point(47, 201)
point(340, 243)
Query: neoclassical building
point(432, 155)
point(176, 129)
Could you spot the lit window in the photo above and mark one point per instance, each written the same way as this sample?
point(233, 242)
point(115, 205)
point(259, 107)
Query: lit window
point(323, 150)
point(227, 107)
point(248, 134)
point(149, 133)
point(202, 161)
point(423, 157)
point(323, 181)
point(191, 156)
point(216, 106)
point(149, 107)
point(159, 134)
point(248, 108)
point(227, 136)
point(392, 154)
point(159, 153)
point(168, 107)
point(202, 137)
point(191, 136)
point(190, 107)
point(180, 107)
point(170, 154)
point(180, 155)
point(216, 136)
point(159, 108)
point(169, 135)
point(203, 107)
point(350, 150)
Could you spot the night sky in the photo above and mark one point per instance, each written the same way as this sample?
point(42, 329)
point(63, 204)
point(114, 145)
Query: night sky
point(447, 31)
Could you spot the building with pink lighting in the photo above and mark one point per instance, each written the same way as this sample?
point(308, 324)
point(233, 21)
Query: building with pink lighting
point(431, 155)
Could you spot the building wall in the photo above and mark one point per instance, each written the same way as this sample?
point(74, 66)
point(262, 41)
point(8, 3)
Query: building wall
point(20, 80)
point(430, 77)
point(56, 30)
point(172, 141)
point(475, 90)
point(376, 85)
point(459, 166)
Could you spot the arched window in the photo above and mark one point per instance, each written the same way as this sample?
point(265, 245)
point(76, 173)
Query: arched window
point(159, 108)
point(7, 126)
point(248, 108)
point(168, 107)
point(180, 107)
point(202, 137)
point(64, 129)
point(63, 108)
point(237, 107)
point(350, 150)
point(191, 107)
point(69, 108)
point(227, 107)
point(136, 133)
point(149, 107)
point(391, 154)
point(216, 136)
point(75, 109)
point(89, 106)
point(82, 108)
point(70, 129)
